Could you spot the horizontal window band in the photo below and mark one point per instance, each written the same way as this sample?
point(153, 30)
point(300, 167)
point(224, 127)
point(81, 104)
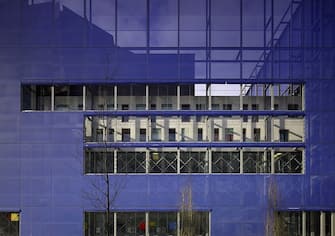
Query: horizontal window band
point(155, 81)
point(196, 144)
point(145, 113)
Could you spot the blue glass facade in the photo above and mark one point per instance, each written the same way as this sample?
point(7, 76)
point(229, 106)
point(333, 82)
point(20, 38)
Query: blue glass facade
point(176, 42)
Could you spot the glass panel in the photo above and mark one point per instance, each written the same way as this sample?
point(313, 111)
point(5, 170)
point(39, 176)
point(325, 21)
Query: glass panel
point(193, 162)
point(131, 223)
point(132, 96)
point(288, 161)
point(99, 161)
point(313, 223)
point(225, 96)
point(288, 129)
point(256, 162)
point(163, 97)
point(225, 162)
point(257, 96)
point(288, 96)
point(36, 97)
point(9, 223)
point(289, 223)
point(131, 162)
point(96, 223)
point(163, 223)
point(194, 223)
point(163, 162)
point(99, 97)
point(68, 97)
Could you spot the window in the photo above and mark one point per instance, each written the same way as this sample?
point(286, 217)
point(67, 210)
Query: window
point(165, 223)
point(244, 134)
point(288, 162)
point(99, 161)
point(200, 137)
point(183, 134)
point(167, 106)
point(254, 107)
point(172, 134)
point(68, 97)
point(216, 134)
point(215, 106)
point(163, 162)
point(256, 162)
point(99, 134)
point(227, 107)
point(283, 135)
point(257, 134)
point(292, 222)
point(245, 107)
point(140, 106)
point(125, 107)
point(130, 223)
point(185, 107)
point(130, 162)
point(229, 134)
point(160, 223)
point(153, 118)
point(36, 97)
point(225, 162)
point(156, 134)
point(125, 135)
point(96, 223)
point(293, 107)
point(110, 137)
point(143, 135)
point(10, 223)
point(193, 162)
point(199, 107)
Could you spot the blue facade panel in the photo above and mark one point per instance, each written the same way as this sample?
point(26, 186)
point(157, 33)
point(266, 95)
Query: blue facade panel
point(41, 160)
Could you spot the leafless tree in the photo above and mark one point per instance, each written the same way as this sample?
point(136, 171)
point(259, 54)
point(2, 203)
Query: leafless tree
point(191, 221)
point(272, 221)
point(104, 192)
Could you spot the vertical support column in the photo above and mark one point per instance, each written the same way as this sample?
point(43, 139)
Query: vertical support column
point(178, 160)
point(115, 97)
point(209, 159)
point(147, 158)
point(264, 165)
point(209, 96)
point(241, 97)
point(241, 161)
point(208, 119)
point(178, 117)
point(241, 118)
point(272, 161)
point(178, 97)
point(332, 224)
point(84, 97)
point(115, 160)
point(322, 223)
point(146, 97)
point(146, 223)
point(115, 224)
point(52, 98)
point(304, 223)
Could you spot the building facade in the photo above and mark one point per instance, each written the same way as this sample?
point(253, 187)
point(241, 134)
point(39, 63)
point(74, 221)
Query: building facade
point(146, 117)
